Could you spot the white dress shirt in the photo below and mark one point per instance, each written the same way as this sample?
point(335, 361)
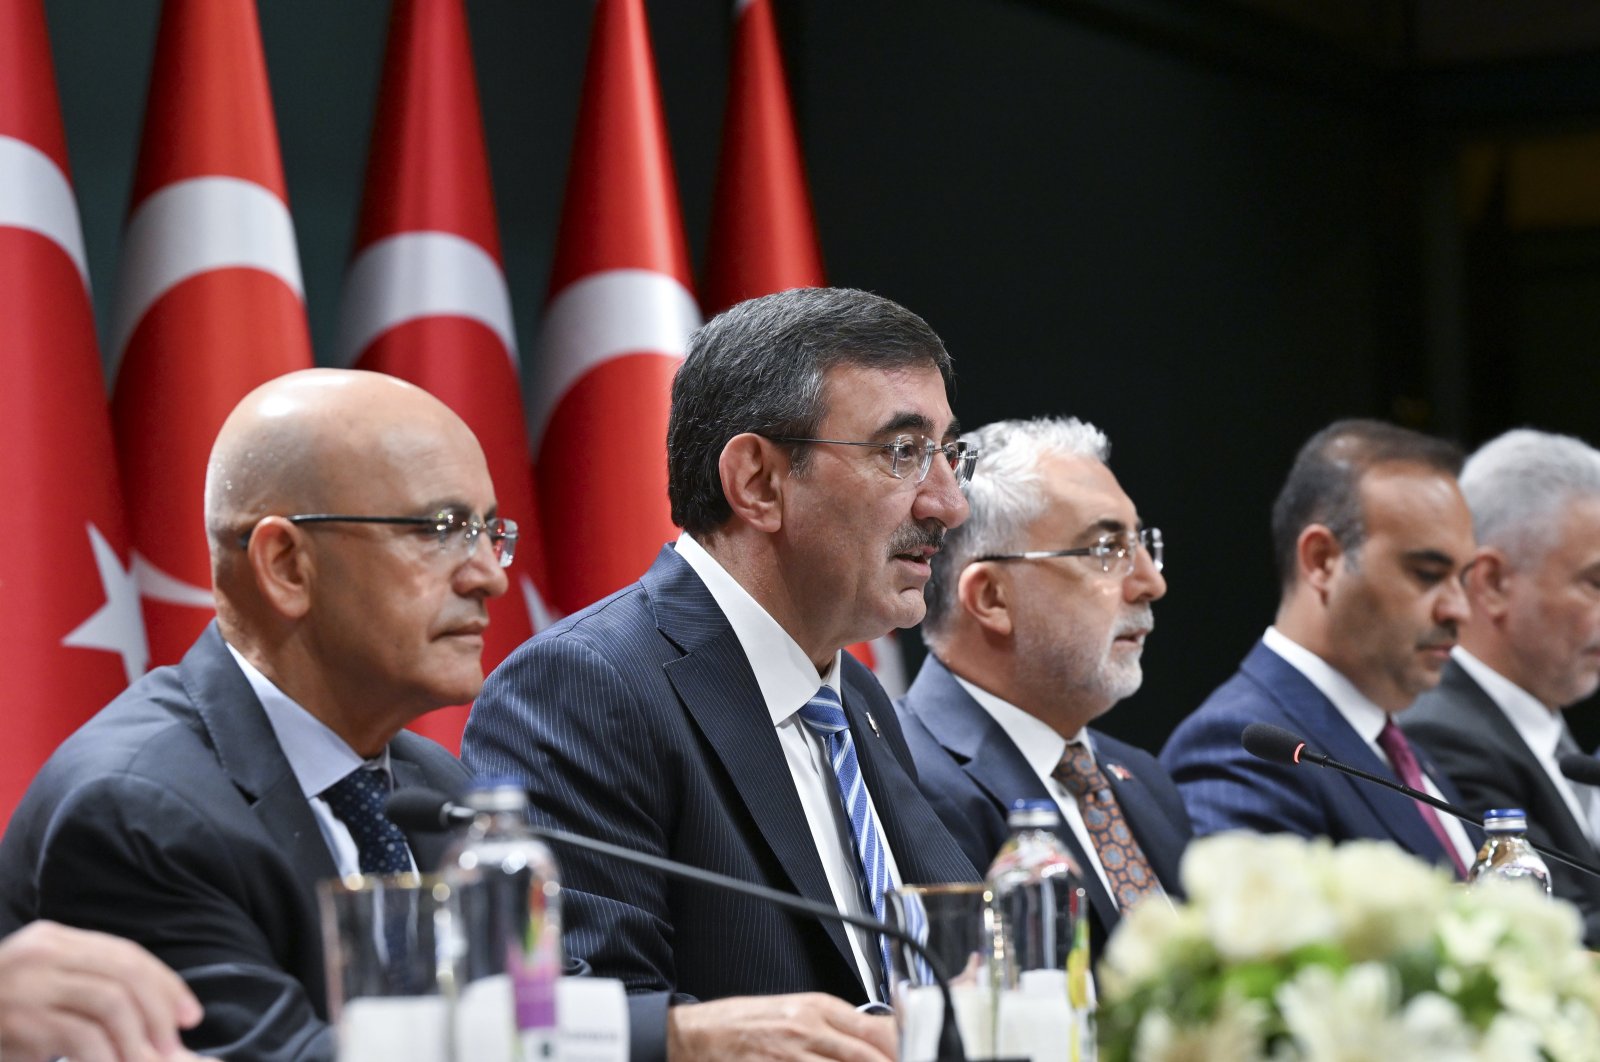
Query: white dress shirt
point(318, 757)
point(1043, 748)
point(1541, 729)
point(788, 679)
point(1364, 717)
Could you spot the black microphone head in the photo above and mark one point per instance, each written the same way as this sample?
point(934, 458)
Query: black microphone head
point(422, 810)
point(1585, 770)
point(1273, 743)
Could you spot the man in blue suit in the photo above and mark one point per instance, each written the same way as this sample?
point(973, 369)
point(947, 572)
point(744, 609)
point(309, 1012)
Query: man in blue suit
point(707, 713)
point(1370, 534)
point(1038, 610)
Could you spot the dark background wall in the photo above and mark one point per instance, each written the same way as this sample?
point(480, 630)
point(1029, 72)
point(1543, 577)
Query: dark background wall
point(1206, 228)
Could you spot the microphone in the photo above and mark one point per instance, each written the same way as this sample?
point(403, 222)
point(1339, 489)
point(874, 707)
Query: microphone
point(430, 811)
point(1277, 745)
point(1585, 770)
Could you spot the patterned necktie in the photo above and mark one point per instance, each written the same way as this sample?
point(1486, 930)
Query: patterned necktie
point(1398, 749)
point(825, 716)
point(357, 799)
point(1124, 861)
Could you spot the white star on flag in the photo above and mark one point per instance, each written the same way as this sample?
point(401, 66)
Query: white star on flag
point(116, 626)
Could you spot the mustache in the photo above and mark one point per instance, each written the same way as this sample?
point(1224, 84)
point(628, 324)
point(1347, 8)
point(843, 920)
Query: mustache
point(1138, 618)
point(1442, 634)
point(911, 537)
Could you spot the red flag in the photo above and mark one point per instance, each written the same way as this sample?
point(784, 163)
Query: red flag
point(70, 632)
point(763, 232)
point(209, 302)
point(615, 329)
point(426, 296)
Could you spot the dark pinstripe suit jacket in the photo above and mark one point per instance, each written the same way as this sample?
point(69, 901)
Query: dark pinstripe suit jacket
point(971, 772)
point(1226, 788)
point(639, 721)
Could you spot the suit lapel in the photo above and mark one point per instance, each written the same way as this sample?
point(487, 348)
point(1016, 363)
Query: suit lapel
point(1326, 731)
point(993, 761)
point(248, 752)
point(714, 681)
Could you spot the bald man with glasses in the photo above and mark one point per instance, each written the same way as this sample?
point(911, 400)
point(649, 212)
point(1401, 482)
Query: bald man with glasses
point(354, 544)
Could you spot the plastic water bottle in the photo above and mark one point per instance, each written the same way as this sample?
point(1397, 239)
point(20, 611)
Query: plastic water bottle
point(508, 897)
point(1506, 852)
point(1041, 961)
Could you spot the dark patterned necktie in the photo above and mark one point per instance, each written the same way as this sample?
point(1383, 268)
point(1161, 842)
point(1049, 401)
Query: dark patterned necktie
point(1124, 861)
point(1398, 749)
point(357, 799)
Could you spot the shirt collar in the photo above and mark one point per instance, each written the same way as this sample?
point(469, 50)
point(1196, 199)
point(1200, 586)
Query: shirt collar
point(317, 756)
point(786, 676)
point(1038, 741)
point(1539, 726)
point(1366, 718)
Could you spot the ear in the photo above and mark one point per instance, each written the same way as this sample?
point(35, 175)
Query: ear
point(1487, 580)
point(1318, 557)
point(985, 593)
point(281, 565)
point(752, 469)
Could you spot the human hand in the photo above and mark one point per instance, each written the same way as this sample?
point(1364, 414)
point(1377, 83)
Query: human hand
point(92, 996)
point(807, 1026)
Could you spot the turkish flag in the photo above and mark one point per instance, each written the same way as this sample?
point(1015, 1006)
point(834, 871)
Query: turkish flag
point(615, 329)
point(763, 232)
point(426, 298)
point(70, 632)
point(209, 301)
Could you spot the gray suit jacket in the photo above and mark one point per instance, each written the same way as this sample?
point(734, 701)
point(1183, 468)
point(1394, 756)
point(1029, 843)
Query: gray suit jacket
point(172, 818)
point(1468, 736)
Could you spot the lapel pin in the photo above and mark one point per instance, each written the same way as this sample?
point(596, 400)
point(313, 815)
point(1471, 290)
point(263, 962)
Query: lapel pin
point(873, 723)
point(1119, 770)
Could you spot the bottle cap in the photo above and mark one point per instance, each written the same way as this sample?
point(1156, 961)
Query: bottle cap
point(1033, 814)
point(496, 793)
point(1503, 819)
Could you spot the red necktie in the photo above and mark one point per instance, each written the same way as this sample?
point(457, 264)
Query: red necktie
point(1398, 749)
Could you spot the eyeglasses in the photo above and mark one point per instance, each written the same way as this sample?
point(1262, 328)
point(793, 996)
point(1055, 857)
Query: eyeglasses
point(449, 526)
point(1115, 550)
point(911, 456)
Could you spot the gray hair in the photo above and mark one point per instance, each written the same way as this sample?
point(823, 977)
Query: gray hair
point(1518, 484)
point(1005, 495)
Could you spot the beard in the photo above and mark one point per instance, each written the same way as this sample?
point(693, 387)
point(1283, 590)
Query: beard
point(1085, 669)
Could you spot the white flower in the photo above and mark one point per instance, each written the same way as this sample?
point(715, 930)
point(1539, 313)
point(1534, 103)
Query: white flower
point(1150, 939)
point(1260, 897)
point(1397, 916)
point(1233, 1035)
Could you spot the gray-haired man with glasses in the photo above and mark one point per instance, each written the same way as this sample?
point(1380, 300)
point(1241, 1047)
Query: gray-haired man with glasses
point(1038, 611)
point(354, 545)
point(708, 714)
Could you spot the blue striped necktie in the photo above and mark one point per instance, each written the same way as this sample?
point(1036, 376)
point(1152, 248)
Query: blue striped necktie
point(825, 716)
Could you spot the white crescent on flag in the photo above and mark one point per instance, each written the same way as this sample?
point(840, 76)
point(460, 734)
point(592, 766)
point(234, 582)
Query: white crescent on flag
point(422, 274)
point(35, 195)
point(194, 226)
point(602, 316)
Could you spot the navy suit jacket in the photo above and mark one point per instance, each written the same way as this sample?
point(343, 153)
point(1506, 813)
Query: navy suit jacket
point(1226, 788)
point(172, 818)
point(639, 721)
point(971, 771)
point(1467, 734)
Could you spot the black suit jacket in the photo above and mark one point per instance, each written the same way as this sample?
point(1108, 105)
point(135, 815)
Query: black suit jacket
point(971, 771)
point(639, 721)
point(1468, 735)
point(173, 819)
point(1226, 788)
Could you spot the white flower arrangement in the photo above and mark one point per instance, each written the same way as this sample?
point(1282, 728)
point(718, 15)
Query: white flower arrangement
point(1297, 951)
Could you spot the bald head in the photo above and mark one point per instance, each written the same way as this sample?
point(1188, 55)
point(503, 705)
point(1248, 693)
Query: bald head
point(311, 441)
point(371, 617)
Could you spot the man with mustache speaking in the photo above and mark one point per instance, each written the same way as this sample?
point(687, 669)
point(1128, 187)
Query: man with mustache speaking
point(1370, 534)
point(1038, 611)
point(707, 712)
